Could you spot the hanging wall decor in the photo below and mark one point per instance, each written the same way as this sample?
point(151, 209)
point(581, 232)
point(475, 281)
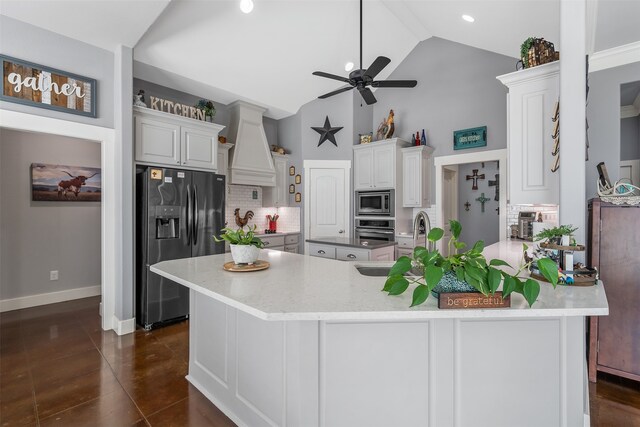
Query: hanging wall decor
point(470, 138)
point(556, 137)
point(327, 133)
point(467, 206)
point(292, 170)
point(298, 197)
point(496, 184)
point(292, 189)
point(475, 177)
point(43, 87)
point(298, 179)
point(53, 183)
point(482, 199)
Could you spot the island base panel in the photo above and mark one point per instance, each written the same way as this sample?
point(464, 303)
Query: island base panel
point(433, 372)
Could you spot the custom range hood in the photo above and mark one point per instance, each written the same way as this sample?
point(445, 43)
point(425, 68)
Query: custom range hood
point(251, 162)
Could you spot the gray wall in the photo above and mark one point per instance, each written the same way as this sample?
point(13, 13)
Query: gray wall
point(222, 111)
point(34, 44)
point(41, 236)
point(477, 225)
point(630, 138)
point(603, 113)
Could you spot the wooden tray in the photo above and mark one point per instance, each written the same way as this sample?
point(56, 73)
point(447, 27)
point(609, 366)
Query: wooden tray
point(582, 280)
point(238, 268)
point(577, 248)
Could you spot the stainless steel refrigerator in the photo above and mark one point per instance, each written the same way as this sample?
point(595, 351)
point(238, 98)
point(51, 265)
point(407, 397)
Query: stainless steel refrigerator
point(177, 213)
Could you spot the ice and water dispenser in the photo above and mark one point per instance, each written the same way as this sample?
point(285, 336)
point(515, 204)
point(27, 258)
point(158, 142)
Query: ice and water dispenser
point(167, 222)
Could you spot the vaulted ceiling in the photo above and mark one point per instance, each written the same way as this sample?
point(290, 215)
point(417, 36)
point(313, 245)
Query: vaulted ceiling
point(214, 50)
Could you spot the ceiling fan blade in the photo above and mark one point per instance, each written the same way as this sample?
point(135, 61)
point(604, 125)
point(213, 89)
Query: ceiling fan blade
point(394, 83)
point(330, 76)
point(367, 95)
point(335, 92)
point(377, 66)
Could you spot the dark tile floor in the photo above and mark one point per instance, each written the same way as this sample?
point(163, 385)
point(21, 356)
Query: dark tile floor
point(58, 368)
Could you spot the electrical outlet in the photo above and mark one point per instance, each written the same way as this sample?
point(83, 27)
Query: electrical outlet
point(254, 195)
point(53, 275)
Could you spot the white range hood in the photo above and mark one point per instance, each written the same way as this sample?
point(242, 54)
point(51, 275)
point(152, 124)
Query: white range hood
point(251, 162)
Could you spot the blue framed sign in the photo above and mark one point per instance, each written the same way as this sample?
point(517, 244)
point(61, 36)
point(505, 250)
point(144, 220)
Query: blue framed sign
point(44, 87)
point(470, 138)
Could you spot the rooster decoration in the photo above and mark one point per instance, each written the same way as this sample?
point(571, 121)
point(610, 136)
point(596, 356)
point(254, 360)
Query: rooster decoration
point(240, 221)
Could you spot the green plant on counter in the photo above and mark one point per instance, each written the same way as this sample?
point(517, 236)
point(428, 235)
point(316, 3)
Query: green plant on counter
point(240, 237)
point(551, 233)
point(470, 266)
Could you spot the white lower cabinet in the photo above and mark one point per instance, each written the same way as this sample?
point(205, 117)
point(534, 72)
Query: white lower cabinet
point(346, 253)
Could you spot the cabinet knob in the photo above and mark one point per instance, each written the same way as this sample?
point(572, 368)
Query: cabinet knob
point(352, 256)
point(340, 231)
point(267, 243)
point(321, 252)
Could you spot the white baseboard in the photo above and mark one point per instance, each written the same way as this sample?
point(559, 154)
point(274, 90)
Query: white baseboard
point(123, 327)
point(48, 298)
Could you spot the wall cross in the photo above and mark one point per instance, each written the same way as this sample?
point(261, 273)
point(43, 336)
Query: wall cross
point(475, 177)
point(467, 205)
point(482, 199)
point(496, 184)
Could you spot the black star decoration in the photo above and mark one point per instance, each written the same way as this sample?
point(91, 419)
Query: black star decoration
point(327, 132)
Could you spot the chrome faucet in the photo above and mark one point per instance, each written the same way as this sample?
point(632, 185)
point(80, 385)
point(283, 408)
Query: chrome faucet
point(427, 228)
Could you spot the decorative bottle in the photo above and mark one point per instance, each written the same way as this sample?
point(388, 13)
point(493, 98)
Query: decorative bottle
point(423, 140)
point(417, 140)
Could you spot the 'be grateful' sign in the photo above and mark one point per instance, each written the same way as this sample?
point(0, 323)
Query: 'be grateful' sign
point(470, 138)
point(39, 86)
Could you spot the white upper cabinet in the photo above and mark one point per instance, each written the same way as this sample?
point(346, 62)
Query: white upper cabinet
point(278, 196)
point(416, 172)
point(169, 140)
point(532, 95)
point(376, 164)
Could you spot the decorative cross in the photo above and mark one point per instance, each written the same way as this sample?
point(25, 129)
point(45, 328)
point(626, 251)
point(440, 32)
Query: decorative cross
point(496, 184)
point(475, 177)
point(483, 200)
point(467, 205)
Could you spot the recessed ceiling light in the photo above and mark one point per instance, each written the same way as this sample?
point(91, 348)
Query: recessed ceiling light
point(348, 66)
point(246, 6)
point(468, 18)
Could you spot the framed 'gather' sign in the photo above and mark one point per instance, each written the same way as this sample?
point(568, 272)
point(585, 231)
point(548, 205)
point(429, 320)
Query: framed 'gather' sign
point(44, 87)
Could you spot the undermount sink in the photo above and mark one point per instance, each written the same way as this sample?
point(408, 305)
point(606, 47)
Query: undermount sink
point(379, 271)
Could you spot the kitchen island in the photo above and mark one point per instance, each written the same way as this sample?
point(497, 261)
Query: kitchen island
point(313, 342)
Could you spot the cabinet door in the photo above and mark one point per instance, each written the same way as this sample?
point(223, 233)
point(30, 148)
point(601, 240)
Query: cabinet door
point(363, 169)
point(223, 161)
point(384, 170)
point(291, 249)
point(531, 143)
point(277, 196)
point(199, 148)
point(412, 179)
point(157, 141)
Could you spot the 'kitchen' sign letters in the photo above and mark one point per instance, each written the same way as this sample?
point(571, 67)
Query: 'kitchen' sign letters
point(176, 108)
point(39, 86)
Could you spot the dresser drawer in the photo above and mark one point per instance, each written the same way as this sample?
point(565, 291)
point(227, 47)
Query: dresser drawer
point(323, 251)
point(270, 242)
point(351, 254)
point(291, 239)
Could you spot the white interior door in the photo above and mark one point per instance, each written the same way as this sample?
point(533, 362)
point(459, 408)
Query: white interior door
point(450, 201)
point(327, 201)
point(630, 169)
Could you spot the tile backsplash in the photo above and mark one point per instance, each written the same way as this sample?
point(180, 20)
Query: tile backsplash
point(241, 196)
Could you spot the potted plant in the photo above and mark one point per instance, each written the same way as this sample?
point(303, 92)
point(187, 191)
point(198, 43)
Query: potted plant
point(461, 272)
point(245, 246)
point(208, 108)
point(562, 235)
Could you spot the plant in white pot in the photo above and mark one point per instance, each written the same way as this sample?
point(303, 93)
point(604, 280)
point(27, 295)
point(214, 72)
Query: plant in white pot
point(245, 246)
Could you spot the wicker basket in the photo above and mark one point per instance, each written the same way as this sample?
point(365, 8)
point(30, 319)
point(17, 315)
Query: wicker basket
point(542, 52)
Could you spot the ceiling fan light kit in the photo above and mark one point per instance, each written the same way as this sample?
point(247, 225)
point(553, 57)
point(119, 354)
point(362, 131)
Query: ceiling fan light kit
point(246, 6)
point(361, 79)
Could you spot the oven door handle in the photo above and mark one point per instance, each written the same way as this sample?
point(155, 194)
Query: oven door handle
point(368, 230)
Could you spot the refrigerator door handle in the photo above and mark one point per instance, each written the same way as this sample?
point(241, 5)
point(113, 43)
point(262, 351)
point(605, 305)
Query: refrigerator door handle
point(188, 215)
point(196, 214)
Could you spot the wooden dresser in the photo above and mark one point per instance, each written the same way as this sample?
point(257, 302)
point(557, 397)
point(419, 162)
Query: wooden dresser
point(614, 248)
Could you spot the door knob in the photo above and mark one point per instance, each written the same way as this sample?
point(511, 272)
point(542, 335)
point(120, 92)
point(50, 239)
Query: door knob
point(340, 231)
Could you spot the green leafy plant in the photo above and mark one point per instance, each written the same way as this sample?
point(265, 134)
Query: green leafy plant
point(524, 51)
point(470, 266)
point(240, 237)
point(208, 107)
point(550, 233)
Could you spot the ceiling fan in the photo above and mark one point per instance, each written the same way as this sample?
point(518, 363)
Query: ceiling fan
point(362, 78)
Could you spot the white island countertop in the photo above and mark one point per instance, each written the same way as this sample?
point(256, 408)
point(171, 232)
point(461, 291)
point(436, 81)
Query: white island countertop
point(300, 287)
